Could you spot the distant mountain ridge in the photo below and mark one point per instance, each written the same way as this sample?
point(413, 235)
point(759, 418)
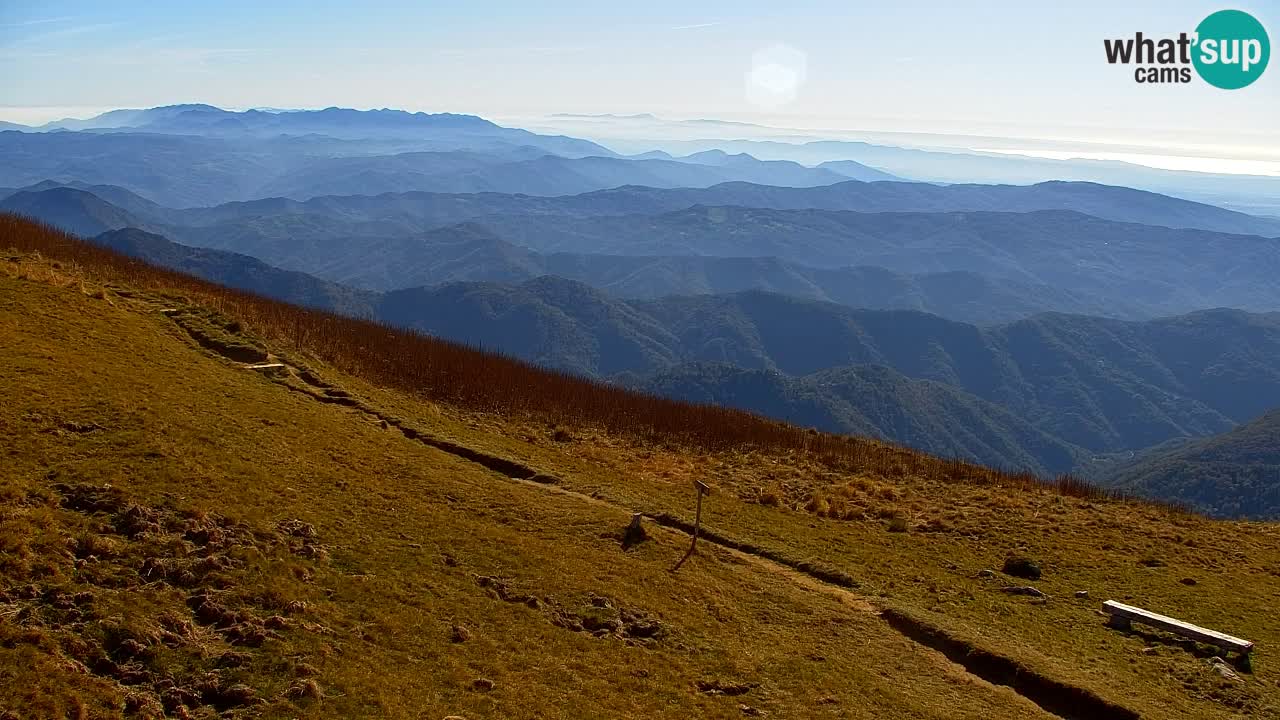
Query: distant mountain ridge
point(1251, 193)
point(1102, 201)
point(431, 209)
point(472, 251)
point(342, 123)
point(189, 170)
point(979, 267)
point(1160, 270)
point(847, 168)
point(546, 175)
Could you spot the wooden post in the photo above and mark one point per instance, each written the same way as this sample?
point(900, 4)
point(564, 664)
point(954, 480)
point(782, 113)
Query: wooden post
point(697, 523)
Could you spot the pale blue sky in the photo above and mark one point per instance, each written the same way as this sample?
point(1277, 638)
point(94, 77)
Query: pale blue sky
point(1036, 69)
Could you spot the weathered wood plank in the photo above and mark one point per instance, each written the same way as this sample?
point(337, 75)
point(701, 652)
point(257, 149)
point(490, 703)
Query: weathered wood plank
point(1185, 629)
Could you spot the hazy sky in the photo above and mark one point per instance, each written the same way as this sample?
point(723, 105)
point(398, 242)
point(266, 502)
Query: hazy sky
point(1020, 68)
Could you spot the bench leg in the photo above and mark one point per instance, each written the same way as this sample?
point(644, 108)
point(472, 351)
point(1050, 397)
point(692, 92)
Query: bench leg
point(1120, 623)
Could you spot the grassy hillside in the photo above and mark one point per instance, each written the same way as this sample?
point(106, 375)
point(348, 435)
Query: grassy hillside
point(337, 537)
point(1235, 474)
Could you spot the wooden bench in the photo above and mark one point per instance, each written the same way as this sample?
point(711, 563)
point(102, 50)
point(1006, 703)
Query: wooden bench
point(1122, 617)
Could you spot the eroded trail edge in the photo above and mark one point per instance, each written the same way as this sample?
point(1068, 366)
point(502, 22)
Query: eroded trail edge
point(1052, 696)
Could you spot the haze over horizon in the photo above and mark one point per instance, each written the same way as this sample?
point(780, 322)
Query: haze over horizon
point(859, 72)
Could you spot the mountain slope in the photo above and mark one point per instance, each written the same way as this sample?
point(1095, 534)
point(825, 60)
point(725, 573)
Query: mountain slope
point(1235, 474)
point(548, 321)
point(1099, 384)
point(963, 296)
point(878, 402)
point(858, 171)
point(69, 209)
point(126, 200)
point(239, 271)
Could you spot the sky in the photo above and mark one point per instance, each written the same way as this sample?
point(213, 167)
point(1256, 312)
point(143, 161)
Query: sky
point(1013, 69)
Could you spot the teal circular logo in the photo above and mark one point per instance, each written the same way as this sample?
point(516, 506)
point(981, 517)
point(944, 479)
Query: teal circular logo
point(1232, 49)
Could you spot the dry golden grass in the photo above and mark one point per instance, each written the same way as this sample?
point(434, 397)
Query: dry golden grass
point(102, 388)
point(406, 539)
point(955, 531)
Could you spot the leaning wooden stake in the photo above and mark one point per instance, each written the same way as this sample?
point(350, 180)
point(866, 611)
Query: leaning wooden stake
point(697, 523)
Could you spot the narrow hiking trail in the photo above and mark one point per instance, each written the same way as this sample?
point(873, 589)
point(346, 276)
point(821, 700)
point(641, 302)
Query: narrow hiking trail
point(958, 657)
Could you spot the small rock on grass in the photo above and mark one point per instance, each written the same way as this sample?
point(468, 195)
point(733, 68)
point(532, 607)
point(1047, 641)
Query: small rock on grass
point(482, 684)
point(1021, 567)
point(1221, 667)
